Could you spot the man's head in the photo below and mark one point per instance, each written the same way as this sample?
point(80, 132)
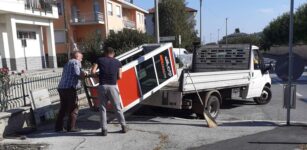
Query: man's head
point(77, 55)
point(109, 52)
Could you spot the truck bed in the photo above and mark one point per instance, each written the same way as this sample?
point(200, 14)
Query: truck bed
point(215, 80)
point(209, 80)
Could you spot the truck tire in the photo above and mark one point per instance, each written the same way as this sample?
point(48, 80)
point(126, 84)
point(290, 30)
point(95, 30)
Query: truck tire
point(213, 106)
point(265, 98)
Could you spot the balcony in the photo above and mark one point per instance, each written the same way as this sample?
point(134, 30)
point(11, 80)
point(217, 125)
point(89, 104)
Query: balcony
point(40, 5)
point(87, 18)
point(129, 24)
point(37, 8)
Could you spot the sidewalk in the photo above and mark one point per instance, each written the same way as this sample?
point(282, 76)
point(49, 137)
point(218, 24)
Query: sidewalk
point(157, 133)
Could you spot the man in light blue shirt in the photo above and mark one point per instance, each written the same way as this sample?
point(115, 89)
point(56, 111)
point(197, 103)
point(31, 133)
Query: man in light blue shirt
point(68, 86)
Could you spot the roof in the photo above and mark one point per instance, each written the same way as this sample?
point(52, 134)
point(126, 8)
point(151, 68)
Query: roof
point(129, 5)
point(188, 9)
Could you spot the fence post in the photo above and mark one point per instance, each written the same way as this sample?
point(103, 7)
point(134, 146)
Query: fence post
point(23, 91)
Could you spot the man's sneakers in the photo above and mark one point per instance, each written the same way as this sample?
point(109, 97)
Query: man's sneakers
point(60, 130)
point(124, 129)
point(74, 130)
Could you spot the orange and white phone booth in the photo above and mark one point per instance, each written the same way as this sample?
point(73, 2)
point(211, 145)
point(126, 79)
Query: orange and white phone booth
point(146, 69)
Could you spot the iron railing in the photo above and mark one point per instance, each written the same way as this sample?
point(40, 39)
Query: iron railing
point(40, 5)
point(18, 91)
point(87, 18)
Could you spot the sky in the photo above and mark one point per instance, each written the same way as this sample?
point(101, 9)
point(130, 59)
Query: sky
point(249, 16)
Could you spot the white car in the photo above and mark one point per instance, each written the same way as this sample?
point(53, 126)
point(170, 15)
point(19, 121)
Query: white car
point(180, 51)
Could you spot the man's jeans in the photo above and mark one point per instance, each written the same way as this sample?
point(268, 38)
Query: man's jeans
point(110, 93)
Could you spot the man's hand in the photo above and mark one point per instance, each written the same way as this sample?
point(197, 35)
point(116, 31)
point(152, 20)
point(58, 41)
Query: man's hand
point(83, 74)
point(94, 69)
point(120, 73)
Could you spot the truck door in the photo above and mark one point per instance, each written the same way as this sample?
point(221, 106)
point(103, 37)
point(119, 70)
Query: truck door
point(256, 79)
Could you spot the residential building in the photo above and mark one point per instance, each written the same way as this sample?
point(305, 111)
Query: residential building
point(79, 19)
point(150, 22)
point(27, 35)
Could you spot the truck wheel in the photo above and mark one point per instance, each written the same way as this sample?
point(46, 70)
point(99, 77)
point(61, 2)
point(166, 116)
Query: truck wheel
point(266, 96)
point(213, 107)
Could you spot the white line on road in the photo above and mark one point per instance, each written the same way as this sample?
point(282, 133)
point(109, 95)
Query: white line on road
point(298, 94)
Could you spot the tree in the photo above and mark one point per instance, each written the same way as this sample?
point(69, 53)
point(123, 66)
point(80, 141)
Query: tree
point(277, 32)
point(91, 48)
point(242, 38)
point(174, 21)
point(125, 40)
point(237, 30)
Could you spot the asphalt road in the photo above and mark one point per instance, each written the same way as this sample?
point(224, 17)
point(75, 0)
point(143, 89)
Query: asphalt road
point(274, 111)
point(248, 110)
point(242, 125)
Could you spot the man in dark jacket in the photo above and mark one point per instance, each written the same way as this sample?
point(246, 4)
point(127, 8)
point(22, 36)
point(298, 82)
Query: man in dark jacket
point(109, 72)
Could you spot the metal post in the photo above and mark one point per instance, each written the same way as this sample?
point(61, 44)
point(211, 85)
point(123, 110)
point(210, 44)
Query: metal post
point(200, 19)
point(290, 62)
point(226, 32)
point(157, 21)
point(23, 91)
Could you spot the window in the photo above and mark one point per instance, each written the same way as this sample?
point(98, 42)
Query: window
point(139, 17)
point(257, 60)
point(147, 77)
point(60, 36)
point(163, 65)
point(60, 10)
point(110, 9)
point(118, 11)
point(26, 35)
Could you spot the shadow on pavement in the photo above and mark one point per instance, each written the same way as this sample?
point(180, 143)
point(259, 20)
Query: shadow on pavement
point(230, 104)
point(283, 137)
point(303, 100)
point(249, 124)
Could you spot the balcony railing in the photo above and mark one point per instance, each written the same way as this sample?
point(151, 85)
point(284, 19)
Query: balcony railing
point(129, 24)
point(86, 18)
point(40, 5)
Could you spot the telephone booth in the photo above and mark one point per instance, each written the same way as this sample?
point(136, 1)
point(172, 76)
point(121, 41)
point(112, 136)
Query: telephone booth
point(146, 69)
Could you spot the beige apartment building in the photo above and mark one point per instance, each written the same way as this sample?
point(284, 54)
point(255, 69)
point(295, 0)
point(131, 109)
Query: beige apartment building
point(80, 18)
point(27, 34)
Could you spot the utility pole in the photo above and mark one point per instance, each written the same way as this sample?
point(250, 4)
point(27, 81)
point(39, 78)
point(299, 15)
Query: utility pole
point(200, 19)
point(218, 36)
point(226, 32)
point(157, 21)
point(290, 63)
point(211, 37)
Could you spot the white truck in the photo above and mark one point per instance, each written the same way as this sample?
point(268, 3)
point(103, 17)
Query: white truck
point(218, 73)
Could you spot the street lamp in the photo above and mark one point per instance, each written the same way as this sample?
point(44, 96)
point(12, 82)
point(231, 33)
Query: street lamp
point(290, 62)
point(218, 36)
point(226, 32)
point(200, 26)
point(157, 21)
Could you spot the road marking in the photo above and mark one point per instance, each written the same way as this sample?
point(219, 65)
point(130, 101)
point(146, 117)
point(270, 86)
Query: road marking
point(298, 94)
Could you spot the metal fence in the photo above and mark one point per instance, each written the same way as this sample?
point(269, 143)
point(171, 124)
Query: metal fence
point(18, 91)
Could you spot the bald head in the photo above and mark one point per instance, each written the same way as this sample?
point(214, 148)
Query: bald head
point(77, 55)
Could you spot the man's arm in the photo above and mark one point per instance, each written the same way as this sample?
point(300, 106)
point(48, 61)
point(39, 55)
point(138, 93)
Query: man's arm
point(94, 69)
point(77, 69)
point(120, 73)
